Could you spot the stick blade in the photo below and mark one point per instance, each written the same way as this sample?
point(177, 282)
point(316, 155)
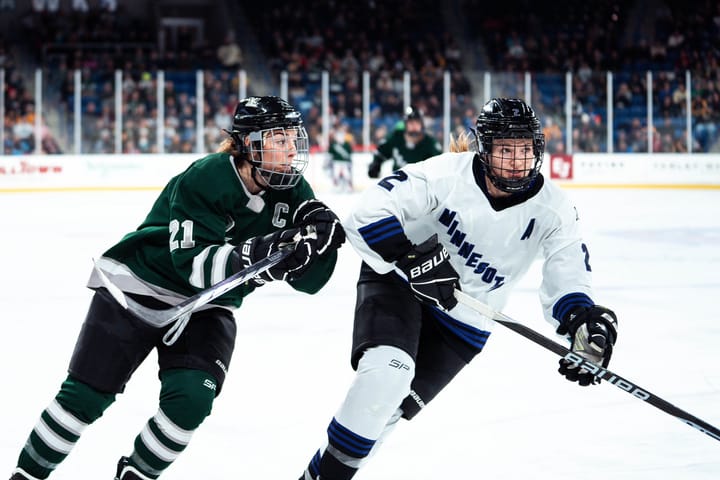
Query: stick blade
point(156, 318)
point(161, 318)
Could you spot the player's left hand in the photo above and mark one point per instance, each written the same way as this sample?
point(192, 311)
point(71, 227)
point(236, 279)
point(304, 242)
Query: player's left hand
point(318, 217)
point(592, 332)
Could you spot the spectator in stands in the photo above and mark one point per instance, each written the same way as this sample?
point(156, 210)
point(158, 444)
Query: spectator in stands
point(679, 145)
point(229, 54)
point(553, 135)
point(638, 142)
point(679, 96)
point(585, 135)
point(705, 125)
point(675, 39)
point(43, 5)
point(621, 145)
point(80, 6)
point(109, 5)
point(668, 108)
point(624, 96)
point(584, 38)
point(104, 142)
point(48, 143)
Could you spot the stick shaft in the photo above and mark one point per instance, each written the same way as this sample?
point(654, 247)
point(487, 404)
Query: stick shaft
point(600, 372)
point(161, 318)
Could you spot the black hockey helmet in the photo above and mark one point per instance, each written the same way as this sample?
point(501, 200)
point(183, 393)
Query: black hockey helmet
point(509, 118)
point(261, 113)
point(258, 119)
point(413, 113)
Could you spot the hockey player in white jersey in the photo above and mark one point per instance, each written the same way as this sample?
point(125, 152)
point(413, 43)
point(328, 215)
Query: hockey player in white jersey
point(472, 220)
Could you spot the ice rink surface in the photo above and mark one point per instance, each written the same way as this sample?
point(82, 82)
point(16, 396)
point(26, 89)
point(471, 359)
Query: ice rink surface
point(656, 261)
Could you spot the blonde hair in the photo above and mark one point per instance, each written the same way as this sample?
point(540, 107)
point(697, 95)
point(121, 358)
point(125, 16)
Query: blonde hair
point(228, 146)
point(461, 143)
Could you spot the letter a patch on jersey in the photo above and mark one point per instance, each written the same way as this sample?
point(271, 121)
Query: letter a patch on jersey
point(528, 230)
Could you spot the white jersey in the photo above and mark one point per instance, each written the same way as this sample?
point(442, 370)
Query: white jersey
point(491, 248)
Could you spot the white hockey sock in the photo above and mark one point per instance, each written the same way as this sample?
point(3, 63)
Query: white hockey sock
point(383, 380)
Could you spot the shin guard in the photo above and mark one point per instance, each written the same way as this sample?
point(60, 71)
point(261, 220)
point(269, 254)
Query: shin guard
point(186, 398)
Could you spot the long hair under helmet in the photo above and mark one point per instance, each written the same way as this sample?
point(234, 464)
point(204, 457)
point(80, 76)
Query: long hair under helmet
point(502, 118)
point(272, 125)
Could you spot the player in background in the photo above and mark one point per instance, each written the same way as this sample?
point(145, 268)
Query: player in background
point(223, 213)
point(405, 145)
point(340, 153)
point(473, 220)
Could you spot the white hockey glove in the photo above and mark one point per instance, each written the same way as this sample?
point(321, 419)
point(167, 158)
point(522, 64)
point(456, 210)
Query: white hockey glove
point(592, 332)
point(289, 268)
point(432, 278)
point(315, 214)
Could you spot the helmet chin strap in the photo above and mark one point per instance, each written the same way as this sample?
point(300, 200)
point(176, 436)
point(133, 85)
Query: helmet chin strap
point(253, 172)
point(245, 152)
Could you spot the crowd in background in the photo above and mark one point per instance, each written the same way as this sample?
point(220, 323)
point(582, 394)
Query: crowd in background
point(345, 39)
point(385, 39)
point(598, 36)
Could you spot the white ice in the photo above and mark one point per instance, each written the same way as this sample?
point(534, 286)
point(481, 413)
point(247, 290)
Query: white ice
point(656, 260)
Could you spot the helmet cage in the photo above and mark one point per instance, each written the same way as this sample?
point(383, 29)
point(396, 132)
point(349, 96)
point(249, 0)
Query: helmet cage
point(269, 150)
point(266, 130)
point(509, 119)
point(496, 172)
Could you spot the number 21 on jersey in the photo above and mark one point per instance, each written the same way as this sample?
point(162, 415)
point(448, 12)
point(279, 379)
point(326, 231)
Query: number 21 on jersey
point(187, 234)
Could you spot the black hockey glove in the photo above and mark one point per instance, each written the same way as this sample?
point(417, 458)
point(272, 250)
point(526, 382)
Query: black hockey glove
point(289, 268)
point(374, 168)
point(320, 219)
point(432, 278)
point(592, 332)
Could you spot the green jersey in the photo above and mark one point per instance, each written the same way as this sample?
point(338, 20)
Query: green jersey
point(397, 149)
point(202, 214)
point(340, 151)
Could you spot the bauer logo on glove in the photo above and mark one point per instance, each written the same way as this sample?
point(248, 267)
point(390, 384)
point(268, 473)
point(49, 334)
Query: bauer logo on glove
point(431, 276)
point(430, 263)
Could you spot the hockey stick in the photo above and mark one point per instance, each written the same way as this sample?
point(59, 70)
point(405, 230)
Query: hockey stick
point(161, 318)
point(580, 362)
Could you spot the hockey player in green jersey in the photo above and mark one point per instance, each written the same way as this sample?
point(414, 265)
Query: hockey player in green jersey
point(409, 144)
point(340, 153)
point(227, 211)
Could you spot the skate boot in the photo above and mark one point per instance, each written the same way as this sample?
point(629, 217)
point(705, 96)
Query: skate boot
point(20, 474)
point(125, 471)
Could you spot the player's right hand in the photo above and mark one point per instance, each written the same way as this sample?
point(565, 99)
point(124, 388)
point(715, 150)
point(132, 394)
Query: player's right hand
point(374, 169)
point(289, 268)
point(432, 278)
